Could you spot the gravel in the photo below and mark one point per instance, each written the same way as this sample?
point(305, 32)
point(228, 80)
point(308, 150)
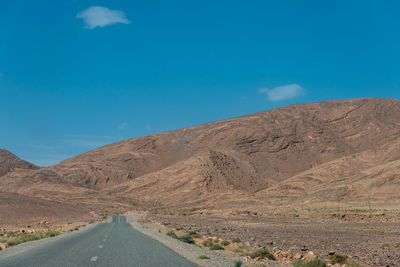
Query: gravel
point(189, 251)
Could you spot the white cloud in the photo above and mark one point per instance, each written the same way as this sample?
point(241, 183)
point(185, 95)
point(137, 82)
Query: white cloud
point(122, 126)
point(282, 92)
point(97, 16)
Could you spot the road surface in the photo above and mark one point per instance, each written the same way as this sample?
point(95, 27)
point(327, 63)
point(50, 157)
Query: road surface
point(105, 244)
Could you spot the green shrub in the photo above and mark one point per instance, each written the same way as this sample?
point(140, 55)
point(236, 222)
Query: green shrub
point(337, 258)
point(237, 263)
point(312, 263)
point(1, 248)
point(203, 257)
point(225, 243)
point(186, 239)
point(235, 240)
point(216, 240)
point(193, 232)
point(76, 228)
point(52, 233)
point(216, 246)
point(13, 242)
point(353, 263)
point(207, 243)
point(237, 250)
point(172, 234)
point(262, 253)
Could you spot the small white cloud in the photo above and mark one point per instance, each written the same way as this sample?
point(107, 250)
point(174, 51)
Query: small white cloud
point(282, 92)
point(122, 126)
point(97, 16)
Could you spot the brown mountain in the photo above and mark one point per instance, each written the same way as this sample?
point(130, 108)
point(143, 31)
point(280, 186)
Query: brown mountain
point(10, 162)
point(313, 154)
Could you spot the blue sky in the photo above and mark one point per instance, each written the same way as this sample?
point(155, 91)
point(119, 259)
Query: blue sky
point(75, 75)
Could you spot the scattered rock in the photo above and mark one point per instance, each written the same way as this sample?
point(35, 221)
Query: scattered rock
point(297, 256)
point(304, 248)
point(283, 255)
point(309, 256)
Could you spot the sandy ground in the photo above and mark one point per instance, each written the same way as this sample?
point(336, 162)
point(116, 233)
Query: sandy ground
point(373, 243)
point(140, 222)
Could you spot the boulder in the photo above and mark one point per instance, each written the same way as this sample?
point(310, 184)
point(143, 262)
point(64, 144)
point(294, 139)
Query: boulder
point(309, 256)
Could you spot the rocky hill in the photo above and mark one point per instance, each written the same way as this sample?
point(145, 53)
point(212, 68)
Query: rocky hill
point(10, 162)
point(307, 154)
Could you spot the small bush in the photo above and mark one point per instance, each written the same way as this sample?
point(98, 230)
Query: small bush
point(76, 228)
point(337, 258)
point(262, 253)
point(237, 250)
point(311, 263)
point(1, 248)
point(207, 243)
point(353, 263)
point(172, 234)
point(237, 263)
point(225, 243)
point(216, 240)
point(235, 240)
point(13, 242)
point(203, 257)
point(52, 233)
point(385, 245)
point(178, 228)
point(216, 246)
point(186, 239)
point(193, 232)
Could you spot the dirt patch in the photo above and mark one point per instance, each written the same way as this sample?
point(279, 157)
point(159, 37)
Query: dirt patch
point(371, 243)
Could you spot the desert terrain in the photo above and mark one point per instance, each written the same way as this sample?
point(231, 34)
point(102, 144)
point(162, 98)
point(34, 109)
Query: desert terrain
point(318, 177)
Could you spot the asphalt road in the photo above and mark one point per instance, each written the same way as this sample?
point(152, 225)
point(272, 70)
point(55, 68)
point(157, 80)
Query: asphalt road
point(105, 244)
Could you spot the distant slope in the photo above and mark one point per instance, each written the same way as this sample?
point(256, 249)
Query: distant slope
point(307, 153)
point(265, 148)
point(10, 162)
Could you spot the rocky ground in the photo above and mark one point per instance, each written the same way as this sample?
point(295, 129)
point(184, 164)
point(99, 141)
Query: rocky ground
point(372, 239)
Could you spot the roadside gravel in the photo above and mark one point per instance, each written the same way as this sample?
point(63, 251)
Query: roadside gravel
point(188, 251)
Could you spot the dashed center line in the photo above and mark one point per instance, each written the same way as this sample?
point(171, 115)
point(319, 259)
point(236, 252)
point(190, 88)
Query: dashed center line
point(94, 258)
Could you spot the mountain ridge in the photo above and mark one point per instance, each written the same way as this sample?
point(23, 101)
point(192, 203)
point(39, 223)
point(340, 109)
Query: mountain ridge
point(280, 157)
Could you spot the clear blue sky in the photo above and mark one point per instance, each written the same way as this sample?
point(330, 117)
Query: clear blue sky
point(75, 75)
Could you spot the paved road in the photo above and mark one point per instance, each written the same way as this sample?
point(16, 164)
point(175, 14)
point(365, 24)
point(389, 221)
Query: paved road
point(105, 244)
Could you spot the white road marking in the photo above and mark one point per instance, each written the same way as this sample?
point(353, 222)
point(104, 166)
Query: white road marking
point(101, 246)
point(93, 258)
